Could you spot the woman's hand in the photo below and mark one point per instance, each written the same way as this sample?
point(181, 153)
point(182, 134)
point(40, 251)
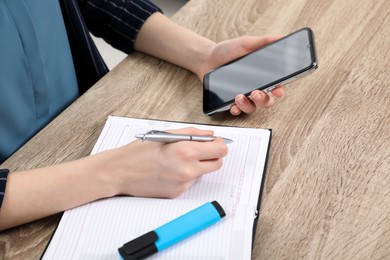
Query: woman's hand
point(154, 169)
point(226, 51)
point(164, 39)
point(148, 169)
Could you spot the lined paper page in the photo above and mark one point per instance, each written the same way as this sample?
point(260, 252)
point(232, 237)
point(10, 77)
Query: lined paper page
point(96, 230)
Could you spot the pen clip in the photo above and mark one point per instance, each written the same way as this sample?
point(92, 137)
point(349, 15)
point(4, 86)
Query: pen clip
point(156, 132)
point(140, 247)
point(152, 132)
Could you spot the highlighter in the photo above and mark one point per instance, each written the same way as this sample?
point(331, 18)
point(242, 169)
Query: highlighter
point(173, 231)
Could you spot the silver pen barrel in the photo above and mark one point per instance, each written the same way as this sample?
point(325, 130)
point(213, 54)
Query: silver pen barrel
point(164, 137)
point(169, 138)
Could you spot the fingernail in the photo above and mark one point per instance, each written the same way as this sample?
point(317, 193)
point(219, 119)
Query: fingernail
point(256, 96)
point(240, 99)
point(235, 111)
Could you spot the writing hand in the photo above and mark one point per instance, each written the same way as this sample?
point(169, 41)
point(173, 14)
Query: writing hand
point(155, 169)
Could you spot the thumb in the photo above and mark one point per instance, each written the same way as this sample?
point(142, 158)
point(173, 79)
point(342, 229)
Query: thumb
point(251, 43)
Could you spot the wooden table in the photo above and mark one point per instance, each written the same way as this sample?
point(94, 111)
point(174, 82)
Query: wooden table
point(327, 192)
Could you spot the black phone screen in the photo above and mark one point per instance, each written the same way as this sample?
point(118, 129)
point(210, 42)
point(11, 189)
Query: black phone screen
point(260, 69)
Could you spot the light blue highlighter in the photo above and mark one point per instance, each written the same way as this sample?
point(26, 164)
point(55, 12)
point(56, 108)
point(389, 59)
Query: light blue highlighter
point(173, 231)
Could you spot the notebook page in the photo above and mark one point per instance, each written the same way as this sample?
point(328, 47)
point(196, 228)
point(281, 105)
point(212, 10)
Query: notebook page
point(102, 234)
point(242, 168)
point(98, 229)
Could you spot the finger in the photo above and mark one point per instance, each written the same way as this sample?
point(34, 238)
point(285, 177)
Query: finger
point(253, 43)
point(278, 92)
point(191, 131)
point(211, 150)
point(244, 104)
point(235, 111)
point(261, 99)
point(199, 151)
point(208, 166)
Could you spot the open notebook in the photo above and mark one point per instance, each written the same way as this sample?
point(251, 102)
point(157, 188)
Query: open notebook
point(96, 230)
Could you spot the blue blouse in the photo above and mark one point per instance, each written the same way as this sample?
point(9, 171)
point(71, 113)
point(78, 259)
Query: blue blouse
point(37, 77)
point(39, 56)
point(45, 64)
point(37, 67)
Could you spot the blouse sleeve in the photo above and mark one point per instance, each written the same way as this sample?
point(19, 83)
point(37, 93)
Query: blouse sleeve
point(3, 182)
point(117, 21)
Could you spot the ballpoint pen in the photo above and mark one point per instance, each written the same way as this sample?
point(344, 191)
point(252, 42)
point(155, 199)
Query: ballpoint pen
point(165, 137)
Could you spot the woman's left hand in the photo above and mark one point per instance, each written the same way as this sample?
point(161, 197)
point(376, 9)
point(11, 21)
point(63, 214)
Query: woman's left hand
point(226, 51)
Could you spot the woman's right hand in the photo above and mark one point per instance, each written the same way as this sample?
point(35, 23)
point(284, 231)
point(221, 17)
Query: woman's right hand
point(154, 169)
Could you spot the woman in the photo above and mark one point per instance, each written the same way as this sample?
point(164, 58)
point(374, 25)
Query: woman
point(49, 60)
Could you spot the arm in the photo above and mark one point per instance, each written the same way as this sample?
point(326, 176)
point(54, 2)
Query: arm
point(170, 170)
point(160, 37)
point(164, 39)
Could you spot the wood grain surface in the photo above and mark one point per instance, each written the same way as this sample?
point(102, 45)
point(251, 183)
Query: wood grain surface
point(327, 191)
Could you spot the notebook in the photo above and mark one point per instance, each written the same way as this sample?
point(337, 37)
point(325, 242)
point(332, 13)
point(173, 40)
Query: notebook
point(96, 230)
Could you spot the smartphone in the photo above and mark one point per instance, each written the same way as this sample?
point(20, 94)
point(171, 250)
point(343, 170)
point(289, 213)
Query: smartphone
point(278, 63)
